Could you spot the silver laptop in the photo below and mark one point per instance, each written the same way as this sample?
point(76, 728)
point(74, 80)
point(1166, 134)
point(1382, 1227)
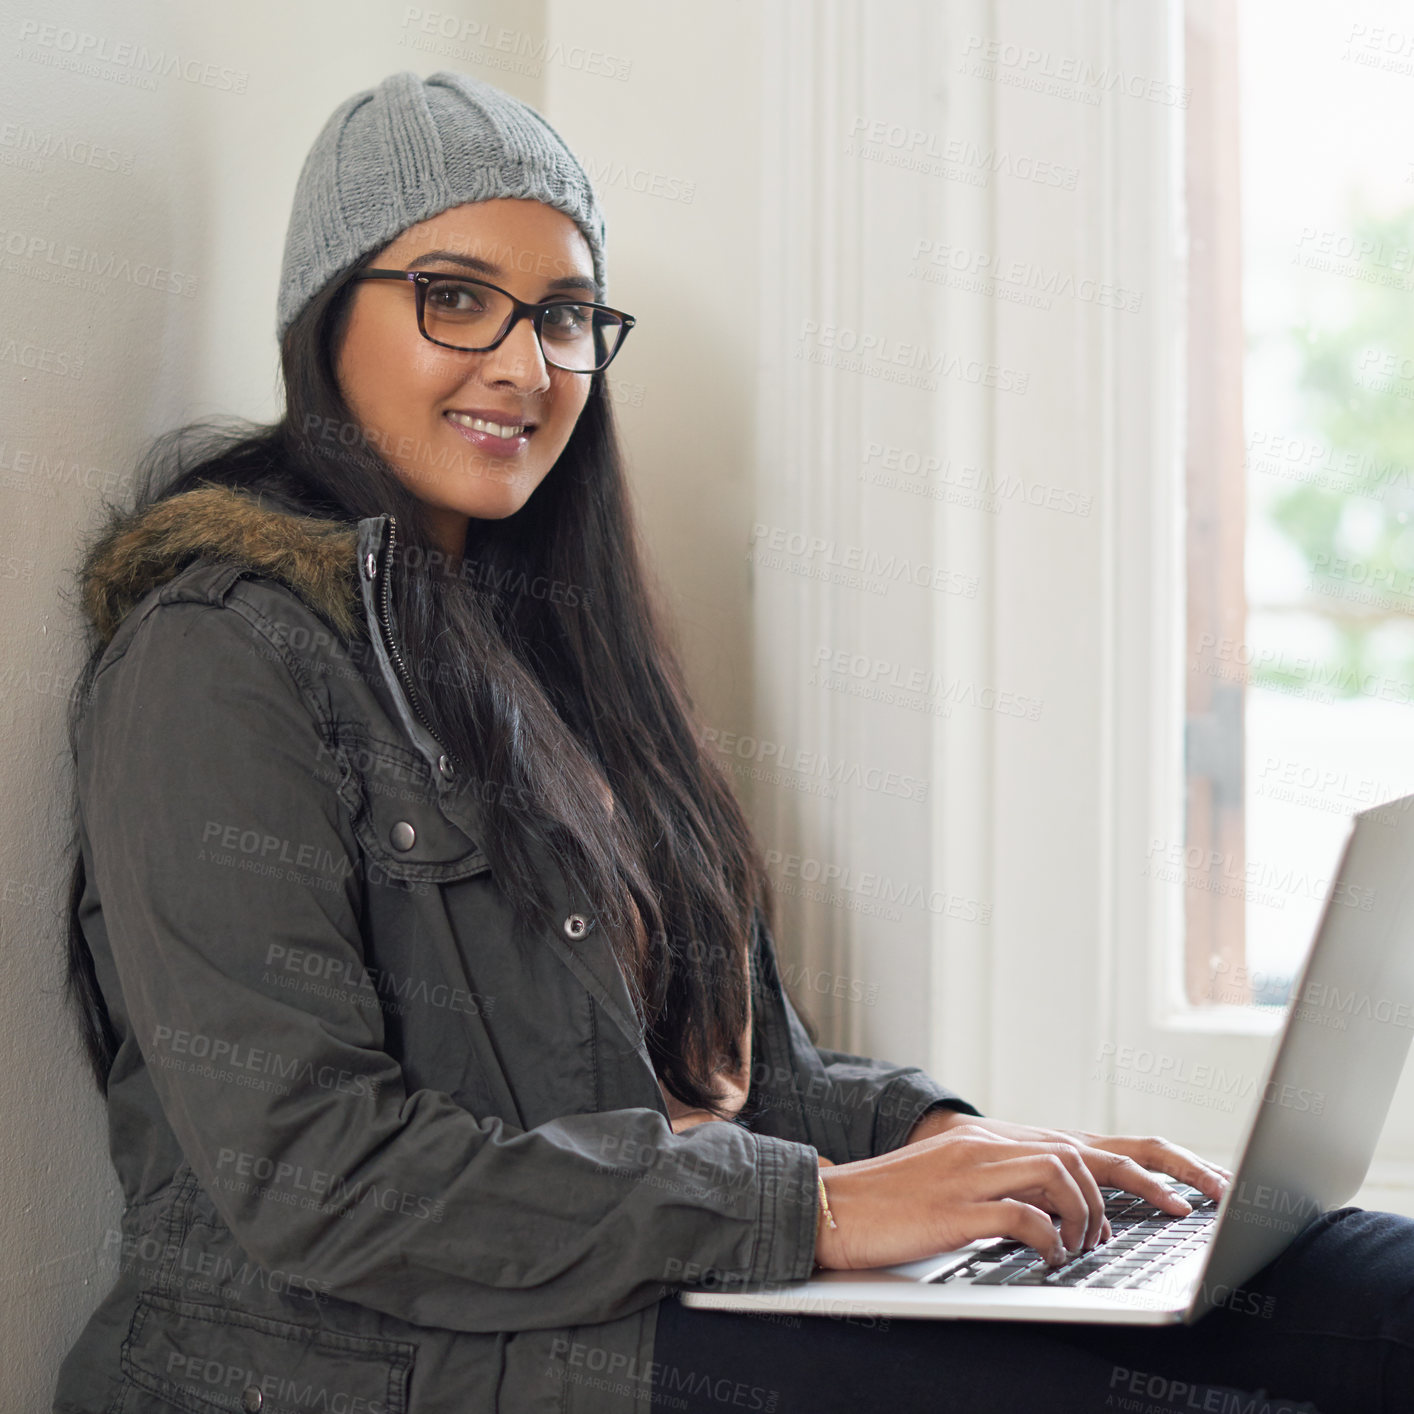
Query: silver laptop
point(1307, 1147)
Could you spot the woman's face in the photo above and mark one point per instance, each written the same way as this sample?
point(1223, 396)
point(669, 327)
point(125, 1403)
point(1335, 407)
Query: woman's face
point(421, 405)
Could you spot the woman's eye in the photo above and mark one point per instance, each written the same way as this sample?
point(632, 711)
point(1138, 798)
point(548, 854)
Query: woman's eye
point(454, 299)
point(567, 319)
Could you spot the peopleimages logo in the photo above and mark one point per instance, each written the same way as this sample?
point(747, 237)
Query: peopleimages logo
point(1204, 1083)
point(872, 569)
point(898, 144)
point(1023, 280)
point(1063, 75)
point(835, 771)
point(49, 261)
point(1282, 879)
point(126, 60)
point(870, 884)
point(879, 355)
point(941, 478)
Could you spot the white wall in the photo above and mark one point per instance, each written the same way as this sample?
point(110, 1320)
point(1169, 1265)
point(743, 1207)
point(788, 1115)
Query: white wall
point(673, 149)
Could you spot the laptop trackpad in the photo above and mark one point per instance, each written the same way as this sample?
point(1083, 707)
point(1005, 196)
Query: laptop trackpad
point(924, 1269)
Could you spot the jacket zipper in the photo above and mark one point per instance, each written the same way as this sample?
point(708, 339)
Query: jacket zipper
point(386, 623)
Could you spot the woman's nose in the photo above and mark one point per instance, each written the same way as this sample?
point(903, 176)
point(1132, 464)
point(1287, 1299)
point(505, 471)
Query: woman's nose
point(518, 359)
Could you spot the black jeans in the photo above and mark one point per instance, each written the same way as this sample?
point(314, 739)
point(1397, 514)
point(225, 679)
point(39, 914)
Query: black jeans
point(1328, 1327)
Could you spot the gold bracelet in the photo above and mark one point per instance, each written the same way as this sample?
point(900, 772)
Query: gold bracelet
point(825, 1202)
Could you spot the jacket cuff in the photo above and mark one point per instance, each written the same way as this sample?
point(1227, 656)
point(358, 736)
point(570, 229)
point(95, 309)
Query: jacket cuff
point(903, 1103)
point(790, 1211)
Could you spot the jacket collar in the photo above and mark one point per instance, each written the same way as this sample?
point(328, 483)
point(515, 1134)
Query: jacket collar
point(147, 547)
point(338, 568)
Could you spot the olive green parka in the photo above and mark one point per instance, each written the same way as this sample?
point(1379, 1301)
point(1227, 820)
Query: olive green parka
point(380, 1152)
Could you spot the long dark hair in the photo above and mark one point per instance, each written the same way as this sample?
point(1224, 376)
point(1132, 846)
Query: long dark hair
point(541, 695)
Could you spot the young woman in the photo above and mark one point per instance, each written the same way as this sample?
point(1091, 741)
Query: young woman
point(424, 958)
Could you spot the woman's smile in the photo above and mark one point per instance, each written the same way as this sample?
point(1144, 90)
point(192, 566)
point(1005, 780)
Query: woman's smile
point(501, 436)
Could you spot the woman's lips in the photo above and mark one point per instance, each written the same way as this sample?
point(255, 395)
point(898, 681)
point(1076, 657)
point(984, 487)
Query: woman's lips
point(488, 441)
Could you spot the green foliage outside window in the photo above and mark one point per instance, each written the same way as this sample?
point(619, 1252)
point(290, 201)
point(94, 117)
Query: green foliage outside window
point(1351, 517)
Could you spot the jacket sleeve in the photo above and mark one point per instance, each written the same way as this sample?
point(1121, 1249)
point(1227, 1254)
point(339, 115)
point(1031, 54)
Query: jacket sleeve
point(847, 1107)
point(215, 840)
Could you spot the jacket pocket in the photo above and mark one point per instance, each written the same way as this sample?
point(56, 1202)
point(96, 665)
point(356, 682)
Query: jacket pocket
point(204, 1359)
point(397, 819)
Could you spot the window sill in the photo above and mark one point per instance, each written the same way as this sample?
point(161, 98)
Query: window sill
point(1224, 1020)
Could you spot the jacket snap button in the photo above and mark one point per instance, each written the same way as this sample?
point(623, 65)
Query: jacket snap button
point(251, 1399)
point(402, 835)
point(444, 765)
point(370, 568)
point(576, 925)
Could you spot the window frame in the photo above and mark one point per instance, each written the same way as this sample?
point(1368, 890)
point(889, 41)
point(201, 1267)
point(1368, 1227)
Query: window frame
point(1215, 512)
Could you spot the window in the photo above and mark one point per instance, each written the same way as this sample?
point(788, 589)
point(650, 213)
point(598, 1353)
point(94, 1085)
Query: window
point(1299, 469)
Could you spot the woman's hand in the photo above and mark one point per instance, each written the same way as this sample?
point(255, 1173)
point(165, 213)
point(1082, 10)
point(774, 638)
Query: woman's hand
point(974, 1178)
point(1158, 1155)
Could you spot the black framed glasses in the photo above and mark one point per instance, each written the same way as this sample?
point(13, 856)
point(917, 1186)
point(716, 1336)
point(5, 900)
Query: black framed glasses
point(471, 315)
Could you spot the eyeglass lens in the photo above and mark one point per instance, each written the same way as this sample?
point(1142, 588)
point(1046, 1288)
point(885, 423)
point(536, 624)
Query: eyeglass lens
point(467, 315)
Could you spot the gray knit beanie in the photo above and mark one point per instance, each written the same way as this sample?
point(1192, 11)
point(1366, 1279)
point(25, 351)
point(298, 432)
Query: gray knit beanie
point(402, 152)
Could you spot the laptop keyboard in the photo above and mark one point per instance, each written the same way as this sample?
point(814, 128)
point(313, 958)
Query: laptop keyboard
point(1146, 1241)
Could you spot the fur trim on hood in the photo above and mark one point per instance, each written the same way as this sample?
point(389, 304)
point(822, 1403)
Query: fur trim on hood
point(316, 557)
